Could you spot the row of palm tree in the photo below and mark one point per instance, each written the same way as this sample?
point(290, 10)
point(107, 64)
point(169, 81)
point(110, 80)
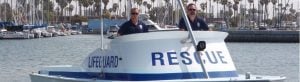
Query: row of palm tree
point(253, 14)
point(92, 7)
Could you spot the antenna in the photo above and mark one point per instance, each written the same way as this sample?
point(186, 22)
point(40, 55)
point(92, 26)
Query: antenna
point(101, 23)
point(192, 35)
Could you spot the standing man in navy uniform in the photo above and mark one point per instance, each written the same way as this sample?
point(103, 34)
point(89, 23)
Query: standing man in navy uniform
point(196, 22)
point(134, 25)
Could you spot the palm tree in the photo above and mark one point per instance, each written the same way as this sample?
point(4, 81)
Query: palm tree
point(62, 4)
point(279, 13)
point(115, 8)
point(153, 2)
point(184, 2)
point(145, 5)
point(91, 2)
point(266, 2)
point(229, 5)
point(251, 2)
point(69, 3)
point(292, 10)
point(224, 3)
point(110, 10)
point(149, 7)
point(21, 9)
point(260, 11)
point(195, 1)
point(210, 10)
point(217, 2)
point(36, 4)
point(71, 8)
point(265, 13)
point(79, 2)
point(105, 2)
point(203, 7)
point(57, 14)
point(48, 6)
point(274, 6)
point(235, 8)
point(85, 4)
point(97, 7)
point(167, 1)
point(139, 2)
point(120, 1)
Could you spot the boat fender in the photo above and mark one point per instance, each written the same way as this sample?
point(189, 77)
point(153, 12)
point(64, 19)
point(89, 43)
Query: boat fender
point(248, 75)
point(201, 46)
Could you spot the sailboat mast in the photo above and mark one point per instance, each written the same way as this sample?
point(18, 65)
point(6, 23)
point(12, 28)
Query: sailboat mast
point(1, 12)
point(5, 19)
point(42, 7)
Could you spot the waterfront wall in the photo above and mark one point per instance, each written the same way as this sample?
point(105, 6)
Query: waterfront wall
point(247, 36)
point(263, 36)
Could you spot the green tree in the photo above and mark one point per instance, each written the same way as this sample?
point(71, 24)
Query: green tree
point(48, 7)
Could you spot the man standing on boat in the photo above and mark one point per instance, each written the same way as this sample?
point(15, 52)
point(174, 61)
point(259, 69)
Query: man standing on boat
point(134, 25)
point(196, 22)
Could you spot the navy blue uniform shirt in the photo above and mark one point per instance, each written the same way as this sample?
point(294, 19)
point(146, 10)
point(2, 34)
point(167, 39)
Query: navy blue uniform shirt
point(198, 24)
point(129, 28)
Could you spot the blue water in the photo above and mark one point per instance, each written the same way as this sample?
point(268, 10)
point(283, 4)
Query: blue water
point(19, 58)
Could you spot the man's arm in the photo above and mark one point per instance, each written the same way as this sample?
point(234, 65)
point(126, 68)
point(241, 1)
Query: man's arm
point(122, 29)
point(181, 25)
point(204, 25)
point(145, 27)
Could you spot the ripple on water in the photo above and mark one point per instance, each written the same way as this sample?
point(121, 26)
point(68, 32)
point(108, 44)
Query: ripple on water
point(22, 57)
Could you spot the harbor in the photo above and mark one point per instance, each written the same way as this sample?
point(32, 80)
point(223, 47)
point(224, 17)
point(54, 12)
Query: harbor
point(149, 40)
point(244, 20)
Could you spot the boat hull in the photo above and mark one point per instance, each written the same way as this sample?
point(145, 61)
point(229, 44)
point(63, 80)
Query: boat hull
point(46, 78)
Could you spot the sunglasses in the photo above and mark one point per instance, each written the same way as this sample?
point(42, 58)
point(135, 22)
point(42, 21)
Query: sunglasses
point(134, 13)
point(192, 9)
